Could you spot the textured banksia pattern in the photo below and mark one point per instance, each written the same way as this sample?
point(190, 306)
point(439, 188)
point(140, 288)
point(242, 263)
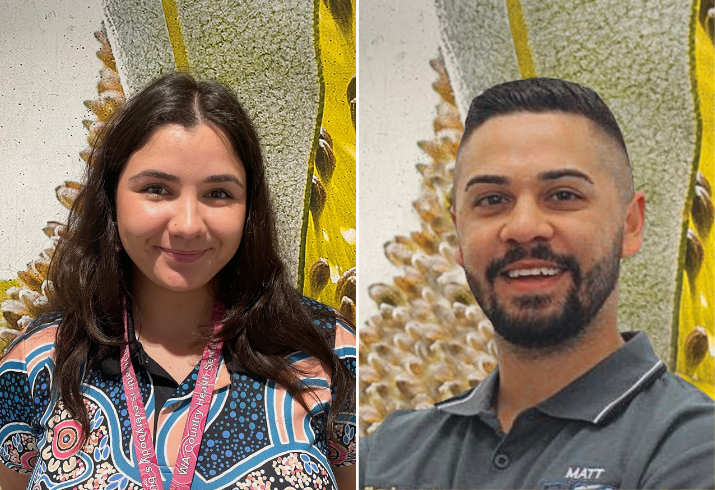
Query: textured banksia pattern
point(430, 340)
point(26, 301)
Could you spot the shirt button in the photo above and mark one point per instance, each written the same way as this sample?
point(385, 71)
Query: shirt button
point(501, 461)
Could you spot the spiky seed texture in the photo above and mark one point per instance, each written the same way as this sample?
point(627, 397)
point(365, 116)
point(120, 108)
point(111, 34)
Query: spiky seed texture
point(695, 349)
point(319, 275)
point(351, 94)
point(324, 157)
point(318, 197)
point(706, 15)
point(347, 308)
point(694, 254)
point(324, 135)
point(430, 340)
point(347, 285)
point(702, 209)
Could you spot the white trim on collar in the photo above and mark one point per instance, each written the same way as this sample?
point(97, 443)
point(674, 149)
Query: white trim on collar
point(460, 401)
point(602, 414)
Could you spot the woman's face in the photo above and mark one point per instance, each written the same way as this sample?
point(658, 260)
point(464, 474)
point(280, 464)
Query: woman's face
point(181, 206)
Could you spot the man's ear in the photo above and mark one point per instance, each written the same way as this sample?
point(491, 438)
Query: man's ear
point(635, 223)
point(457, 253)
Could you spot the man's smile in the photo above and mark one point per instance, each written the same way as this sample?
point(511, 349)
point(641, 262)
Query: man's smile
point(537, 280)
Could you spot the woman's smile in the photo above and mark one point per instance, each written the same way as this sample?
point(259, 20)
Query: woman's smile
point(183, 256)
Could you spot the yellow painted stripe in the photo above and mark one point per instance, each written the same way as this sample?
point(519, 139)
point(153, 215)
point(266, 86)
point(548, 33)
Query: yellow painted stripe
point(520, 35)
point(692, 310)
point(171, 14)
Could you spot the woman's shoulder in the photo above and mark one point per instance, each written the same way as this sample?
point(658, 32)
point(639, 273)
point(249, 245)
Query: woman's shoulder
point(321, 314)
point(326, 317)
point(37, 338)
point(339, 330)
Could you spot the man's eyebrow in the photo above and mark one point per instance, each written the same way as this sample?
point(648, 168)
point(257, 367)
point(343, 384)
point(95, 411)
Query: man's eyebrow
point(565, 172)
point(156, 174)
point(486, 179)
point(216, 179)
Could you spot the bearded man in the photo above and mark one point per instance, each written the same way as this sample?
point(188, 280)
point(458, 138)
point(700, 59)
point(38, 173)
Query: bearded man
point(545, 209)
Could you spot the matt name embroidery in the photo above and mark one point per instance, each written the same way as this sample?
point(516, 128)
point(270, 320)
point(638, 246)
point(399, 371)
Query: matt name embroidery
point(584, 473)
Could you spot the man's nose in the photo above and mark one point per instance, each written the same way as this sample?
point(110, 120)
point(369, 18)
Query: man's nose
point(526, 223)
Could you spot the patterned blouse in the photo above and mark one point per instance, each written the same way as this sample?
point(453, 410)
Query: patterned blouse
point(257, 436)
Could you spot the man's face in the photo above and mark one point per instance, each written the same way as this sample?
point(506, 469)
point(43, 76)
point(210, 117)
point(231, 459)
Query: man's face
point(542, 226)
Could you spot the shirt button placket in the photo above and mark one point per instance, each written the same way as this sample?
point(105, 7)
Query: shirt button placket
point(501, 461)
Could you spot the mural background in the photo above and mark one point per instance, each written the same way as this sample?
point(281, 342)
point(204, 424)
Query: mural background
point(422, 337)
point(66, 66)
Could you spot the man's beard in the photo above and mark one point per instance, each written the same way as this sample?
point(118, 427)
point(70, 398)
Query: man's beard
point(529, 330)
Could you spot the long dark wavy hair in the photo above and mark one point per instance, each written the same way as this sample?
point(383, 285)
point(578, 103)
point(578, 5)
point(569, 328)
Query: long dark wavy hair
point(265, 320)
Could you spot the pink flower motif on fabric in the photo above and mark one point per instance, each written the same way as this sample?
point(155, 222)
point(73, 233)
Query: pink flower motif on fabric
point(341, 451)
point(28, 460)
point(67, 439)
point(336, 454)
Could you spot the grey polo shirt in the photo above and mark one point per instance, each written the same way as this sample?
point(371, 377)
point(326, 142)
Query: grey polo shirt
point(626, 423)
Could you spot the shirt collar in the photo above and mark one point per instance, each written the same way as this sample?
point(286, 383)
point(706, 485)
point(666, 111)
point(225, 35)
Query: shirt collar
point(476, 401)
point(594, 397)
point(111, 365)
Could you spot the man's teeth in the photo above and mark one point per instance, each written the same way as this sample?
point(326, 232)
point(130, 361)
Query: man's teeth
point(538, 271)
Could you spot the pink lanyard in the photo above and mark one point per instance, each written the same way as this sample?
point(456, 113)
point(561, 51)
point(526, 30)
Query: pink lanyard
point(195, 421)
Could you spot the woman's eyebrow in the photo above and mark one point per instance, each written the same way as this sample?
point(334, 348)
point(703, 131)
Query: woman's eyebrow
point(211, 179)
point(215, 179)
point(156, 174)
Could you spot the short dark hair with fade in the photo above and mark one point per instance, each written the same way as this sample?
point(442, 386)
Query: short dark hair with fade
point(543, 95)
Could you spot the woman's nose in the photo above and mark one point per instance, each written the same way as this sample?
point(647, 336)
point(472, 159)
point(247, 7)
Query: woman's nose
point(187, 220)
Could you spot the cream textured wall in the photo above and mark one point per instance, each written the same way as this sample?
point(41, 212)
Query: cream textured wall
point(397, 107)
point(48, 67)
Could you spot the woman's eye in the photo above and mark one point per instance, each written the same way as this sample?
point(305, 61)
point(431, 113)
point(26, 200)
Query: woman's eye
point(219, 194)
point(157, 190)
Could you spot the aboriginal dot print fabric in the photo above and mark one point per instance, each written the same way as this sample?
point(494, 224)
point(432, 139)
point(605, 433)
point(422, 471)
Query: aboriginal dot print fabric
point(257, 436)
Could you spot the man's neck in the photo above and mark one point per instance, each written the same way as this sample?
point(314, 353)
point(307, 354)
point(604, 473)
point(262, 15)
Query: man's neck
point(527, 378)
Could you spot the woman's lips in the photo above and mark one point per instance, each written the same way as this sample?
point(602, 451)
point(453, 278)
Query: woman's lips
point(184, 256)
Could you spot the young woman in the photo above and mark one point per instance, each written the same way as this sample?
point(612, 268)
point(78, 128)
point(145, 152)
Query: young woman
point(176, 351)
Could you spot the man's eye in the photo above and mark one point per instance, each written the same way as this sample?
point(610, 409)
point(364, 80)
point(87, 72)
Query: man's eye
point(219, 194)
point(491, 200)
point(564, 195)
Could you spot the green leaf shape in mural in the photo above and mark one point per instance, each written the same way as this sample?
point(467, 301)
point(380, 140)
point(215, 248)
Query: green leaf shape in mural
point(264, 50)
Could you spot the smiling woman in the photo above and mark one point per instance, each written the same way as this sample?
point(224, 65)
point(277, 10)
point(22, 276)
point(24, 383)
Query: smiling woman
point(199, 362)
point(181, 206)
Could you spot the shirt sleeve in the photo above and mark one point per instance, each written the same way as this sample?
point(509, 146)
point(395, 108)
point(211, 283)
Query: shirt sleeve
point(342, 448)
point(362, 464)
point(18, 439)
point(684, 447)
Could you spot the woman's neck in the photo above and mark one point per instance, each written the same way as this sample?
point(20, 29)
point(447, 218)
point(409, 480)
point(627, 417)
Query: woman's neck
point(170, 318)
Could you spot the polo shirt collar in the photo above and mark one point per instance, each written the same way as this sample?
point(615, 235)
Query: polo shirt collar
point(594, 397)
point(476, 401)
